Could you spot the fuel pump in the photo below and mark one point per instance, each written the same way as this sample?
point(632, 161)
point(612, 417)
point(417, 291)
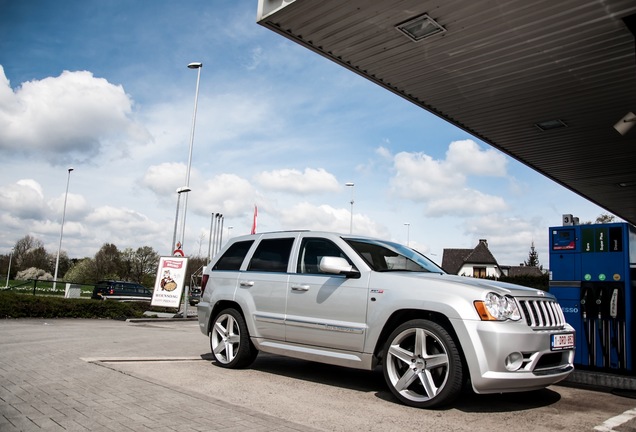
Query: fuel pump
point(593, 276)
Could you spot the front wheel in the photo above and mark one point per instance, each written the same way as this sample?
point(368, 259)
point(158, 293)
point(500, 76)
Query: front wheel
point(230, 340)
point(422, 365)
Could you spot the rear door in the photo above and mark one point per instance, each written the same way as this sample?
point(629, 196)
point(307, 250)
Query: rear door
point(263, 284)
point(325, 310)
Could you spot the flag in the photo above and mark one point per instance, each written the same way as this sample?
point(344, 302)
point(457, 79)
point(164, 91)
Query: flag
point(254, 221)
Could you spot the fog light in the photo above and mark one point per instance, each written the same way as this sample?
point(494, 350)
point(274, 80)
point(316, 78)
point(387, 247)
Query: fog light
point(514, 361)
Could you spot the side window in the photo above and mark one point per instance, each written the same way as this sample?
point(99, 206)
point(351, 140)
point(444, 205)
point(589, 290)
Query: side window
point(311, 252)
point(234, 256)
point(272, 255)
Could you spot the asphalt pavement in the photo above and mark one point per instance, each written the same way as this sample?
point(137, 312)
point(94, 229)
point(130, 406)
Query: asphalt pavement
point(58, 375)
point(156, 374)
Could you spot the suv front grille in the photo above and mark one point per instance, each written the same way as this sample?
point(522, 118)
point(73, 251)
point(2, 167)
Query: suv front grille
point(542, 314)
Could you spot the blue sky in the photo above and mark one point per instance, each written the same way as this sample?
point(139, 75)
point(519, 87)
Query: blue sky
point(103, 87)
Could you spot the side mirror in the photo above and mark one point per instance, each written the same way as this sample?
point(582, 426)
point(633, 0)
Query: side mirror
point(338, 265)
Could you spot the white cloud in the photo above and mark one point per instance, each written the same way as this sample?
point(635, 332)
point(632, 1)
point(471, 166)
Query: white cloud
point(23, 200)
point(293, 181)
point(467, 157)
point(165, 178)
point(327, 218)
point(441, 184)
point(471, 202)
point(66, 118)
point(228, 194)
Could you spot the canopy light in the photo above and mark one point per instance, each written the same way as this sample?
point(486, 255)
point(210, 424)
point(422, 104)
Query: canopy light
point(626, 123)
point(420, 28)
point(551, 124)
point(626, 184)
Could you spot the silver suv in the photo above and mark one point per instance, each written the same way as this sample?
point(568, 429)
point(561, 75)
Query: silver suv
point(359, 302)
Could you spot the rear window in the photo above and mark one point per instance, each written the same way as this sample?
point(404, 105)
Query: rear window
point(234, 256)
point(272, 255)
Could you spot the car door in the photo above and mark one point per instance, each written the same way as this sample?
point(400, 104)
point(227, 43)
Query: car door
point(325, 310)
point(263, 285)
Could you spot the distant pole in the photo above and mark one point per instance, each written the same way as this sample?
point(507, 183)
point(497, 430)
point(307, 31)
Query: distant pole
point(408, 231)
point(59, 248)
point(197, 66)
point(9, 271)
point(351, 185)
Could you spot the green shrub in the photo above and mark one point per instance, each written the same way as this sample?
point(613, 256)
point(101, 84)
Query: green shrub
point(13, 305)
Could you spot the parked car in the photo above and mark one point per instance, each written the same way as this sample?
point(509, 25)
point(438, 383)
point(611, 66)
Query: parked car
point(121, 291)
point(359, 302)
point(195, 295)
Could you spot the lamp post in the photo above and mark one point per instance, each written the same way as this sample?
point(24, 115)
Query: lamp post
point(59, 248)
point(197, 66)
point(351, 185)
point(228, 232)
point(176, 217)
point(408, 231)
point(9, 271)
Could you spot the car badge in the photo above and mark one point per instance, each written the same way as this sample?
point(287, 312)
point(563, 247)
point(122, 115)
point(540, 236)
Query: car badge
point(541, 293)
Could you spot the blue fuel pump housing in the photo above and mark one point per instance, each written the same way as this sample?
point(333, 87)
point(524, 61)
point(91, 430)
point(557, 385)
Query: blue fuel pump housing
point(592, 274)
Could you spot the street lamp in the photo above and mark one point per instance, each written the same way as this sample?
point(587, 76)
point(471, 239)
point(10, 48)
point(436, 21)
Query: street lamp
point(408, 230)
point(197, 66)
point(351, 185)
point(59, 248)
point(176, 217)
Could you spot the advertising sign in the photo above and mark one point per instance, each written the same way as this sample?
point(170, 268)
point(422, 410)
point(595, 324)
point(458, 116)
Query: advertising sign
point(170, 282)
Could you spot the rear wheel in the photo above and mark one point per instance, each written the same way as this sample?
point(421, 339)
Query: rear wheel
point(230, 340)
point(422, 365)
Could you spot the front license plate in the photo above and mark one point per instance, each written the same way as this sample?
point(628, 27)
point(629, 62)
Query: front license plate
point(562, 341)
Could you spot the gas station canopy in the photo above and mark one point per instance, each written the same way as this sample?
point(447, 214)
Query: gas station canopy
point(545, 82)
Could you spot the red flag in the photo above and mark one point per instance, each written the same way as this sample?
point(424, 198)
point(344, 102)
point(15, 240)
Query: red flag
point(254, 221)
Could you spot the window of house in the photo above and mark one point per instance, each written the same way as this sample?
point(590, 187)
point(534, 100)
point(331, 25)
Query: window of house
point(479, 272)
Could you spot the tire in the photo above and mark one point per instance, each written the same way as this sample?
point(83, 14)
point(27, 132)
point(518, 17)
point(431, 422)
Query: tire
point(422, 365)
point(230, 340)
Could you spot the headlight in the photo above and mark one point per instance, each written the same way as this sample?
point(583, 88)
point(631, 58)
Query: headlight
point(496, 307)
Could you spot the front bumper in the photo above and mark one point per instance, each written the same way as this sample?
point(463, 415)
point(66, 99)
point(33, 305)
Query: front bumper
point(490, 346)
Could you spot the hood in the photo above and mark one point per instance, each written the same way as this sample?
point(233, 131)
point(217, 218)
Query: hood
point(458, 282)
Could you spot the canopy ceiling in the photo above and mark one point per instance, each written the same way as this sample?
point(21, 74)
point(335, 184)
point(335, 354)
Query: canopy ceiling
point(498, 70)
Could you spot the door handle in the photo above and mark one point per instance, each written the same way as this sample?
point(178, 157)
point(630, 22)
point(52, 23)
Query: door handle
point(300, 287)
point(246, 284)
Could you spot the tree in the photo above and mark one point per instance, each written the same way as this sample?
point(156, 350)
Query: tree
point(533, 258)
point(82, 272)
point(605, 218)
point(144, 267)
point(36, 257)
point(107, 262)
point(22, 247)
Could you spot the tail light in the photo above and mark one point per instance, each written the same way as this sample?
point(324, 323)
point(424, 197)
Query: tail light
point(204, 282)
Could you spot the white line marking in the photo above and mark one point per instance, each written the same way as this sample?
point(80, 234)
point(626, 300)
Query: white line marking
point(610, 424)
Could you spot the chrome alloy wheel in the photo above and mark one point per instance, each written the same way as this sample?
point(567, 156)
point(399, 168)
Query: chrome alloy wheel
point(225, 338)
point(422, 365)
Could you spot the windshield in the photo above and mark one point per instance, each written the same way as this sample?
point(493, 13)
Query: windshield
point(383, 256)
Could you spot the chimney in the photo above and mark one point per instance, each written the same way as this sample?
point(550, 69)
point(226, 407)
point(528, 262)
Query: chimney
point(484, 241)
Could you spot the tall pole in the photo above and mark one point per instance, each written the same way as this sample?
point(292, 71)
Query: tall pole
point(210, 240)
point(197, 66)
point(176, 218)
point(351, 185)
point(59, 248)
